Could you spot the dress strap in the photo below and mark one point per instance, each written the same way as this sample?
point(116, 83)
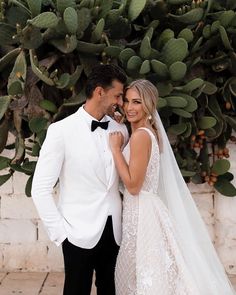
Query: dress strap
point(148, 131)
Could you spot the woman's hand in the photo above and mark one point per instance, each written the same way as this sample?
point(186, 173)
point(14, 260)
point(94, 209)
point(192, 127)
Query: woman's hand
point(116, 140)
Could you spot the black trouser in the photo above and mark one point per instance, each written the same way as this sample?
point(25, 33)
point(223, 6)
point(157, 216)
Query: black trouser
point(80, 264)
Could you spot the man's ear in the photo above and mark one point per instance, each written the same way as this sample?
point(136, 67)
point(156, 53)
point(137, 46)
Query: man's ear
point(99, 91)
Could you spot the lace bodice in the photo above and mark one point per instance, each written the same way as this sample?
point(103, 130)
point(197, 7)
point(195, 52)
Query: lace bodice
point(152, 175)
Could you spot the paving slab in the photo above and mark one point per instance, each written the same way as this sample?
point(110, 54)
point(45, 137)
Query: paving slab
point(53, 284)
point(41, 283)
point(2, 275)
point(22, 283)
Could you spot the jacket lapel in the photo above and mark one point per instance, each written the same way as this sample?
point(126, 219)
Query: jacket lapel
point(87, 140)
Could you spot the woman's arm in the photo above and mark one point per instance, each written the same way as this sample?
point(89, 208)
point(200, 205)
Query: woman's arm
point(132, 174)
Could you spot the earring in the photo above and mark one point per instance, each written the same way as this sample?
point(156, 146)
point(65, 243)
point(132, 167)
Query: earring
point(149, 117)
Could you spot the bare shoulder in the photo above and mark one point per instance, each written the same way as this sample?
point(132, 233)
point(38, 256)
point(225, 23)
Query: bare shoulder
point(140, 137)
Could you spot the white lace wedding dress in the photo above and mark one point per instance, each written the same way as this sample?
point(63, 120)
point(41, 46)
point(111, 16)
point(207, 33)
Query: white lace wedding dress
point(149, 261)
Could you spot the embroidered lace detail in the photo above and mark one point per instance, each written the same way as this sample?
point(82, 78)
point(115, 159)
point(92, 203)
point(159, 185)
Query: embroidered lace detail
point(152, 175)
point(149, 261)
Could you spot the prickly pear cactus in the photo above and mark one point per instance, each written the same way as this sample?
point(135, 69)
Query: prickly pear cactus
point(185, 47)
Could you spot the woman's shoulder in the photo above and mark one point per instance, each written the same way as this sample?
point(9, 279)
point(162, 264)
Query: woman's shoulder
point(141, 136)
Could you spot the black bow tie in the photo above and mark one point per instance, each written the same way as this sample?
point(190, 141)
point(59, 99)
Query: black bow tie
point(95, 124)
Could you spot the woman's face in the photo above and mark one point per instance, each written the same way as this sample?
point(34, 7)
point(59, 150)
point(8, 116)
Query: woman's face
point(133, 107)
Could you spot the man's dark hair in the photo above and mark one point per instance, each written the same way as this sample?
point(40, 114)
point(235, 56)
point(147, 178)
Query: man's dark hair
point(103, 75)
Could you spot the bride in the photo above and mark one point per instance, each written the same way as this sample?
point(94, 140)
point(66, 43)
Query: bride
point(165, 247)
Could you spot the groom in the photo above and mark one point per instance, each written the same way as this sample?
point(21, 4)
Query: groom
point(87, 218)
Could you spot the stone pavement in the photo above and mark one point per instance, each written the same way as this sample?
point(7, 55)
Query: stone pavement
point(39, 283)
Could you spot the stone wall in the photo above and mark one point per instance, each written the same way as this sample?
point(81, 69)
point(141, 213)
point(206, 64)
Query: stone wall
point(24, 244)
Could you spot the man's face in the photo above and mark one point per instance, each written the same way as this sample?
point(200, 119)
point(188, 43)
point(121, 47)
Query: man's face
point(112, 98)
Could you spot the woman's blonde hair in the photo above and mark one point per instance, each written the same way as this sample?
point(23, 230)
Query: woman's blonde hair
point(149, 96)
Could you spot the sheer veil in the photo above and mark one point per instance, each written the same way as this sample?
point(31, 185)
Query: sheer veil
point(197, 248)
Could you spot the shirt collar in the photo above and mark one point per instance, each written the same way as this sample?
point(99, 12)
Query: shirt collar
point(88, 117)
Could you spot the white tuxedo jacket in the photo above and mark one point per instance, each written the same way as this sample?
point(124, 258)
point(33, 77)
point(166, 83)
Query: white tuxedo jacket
point(86, 197)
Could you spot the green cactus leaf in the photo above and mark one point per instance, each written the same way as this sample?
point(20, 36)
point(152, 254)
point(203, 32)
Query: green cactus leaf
point(48, 105)
point(34, 6)
point(192, 103)
point(135, 8)
point(188, 132)
point(113, 51)
point(97, 33)
point(84, 19)
point(181, 113)
point(197, 45)
point(178, 129)
point(145, 48)
point(105, 7)
point(38, 124)
point(84, 3)
point(165, 36)
point(32, 37)
point(227, 176)
point(20, 5)
point(192, 85)
point(90, 47)
point(121, 29)
point(126, 54)
point(70, 17)
point(209, 88)
point(177, 71)
point(210, 132)
point(226, 18)
point(114, 14)
point(16, 80)
point(220, 167)
point(3, 133)
point(63, 4)
point(174, 50)
point(149, 33)
point(75, 76)
point(207, 31)
point(7, 34)
point(66, 45)
point(15, 87)
point(176, 101)
point(155, 54)
point(4, 178)
point(164, 88)
point(159, 68)
point(28, 186)
point(35, 149)
point(215, 26)
point(224, 38)
point(4, 103)
point(191, 17)
point(17, 16)
point(176, 2)
point(186, 173)
point(28, 167)
point(161, 103)
point(186, 34)
point(37, 71)
point(145, 67)
point(206, 122)
point(63, 81)
point(134, 63)
point(44, 20)
point(4, 162)
point(231, 121)
point(8, 58)
point(225, 188)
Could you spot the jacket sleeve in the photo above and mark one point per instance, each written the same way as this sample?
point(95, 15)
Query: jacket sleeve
point(45, 177)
